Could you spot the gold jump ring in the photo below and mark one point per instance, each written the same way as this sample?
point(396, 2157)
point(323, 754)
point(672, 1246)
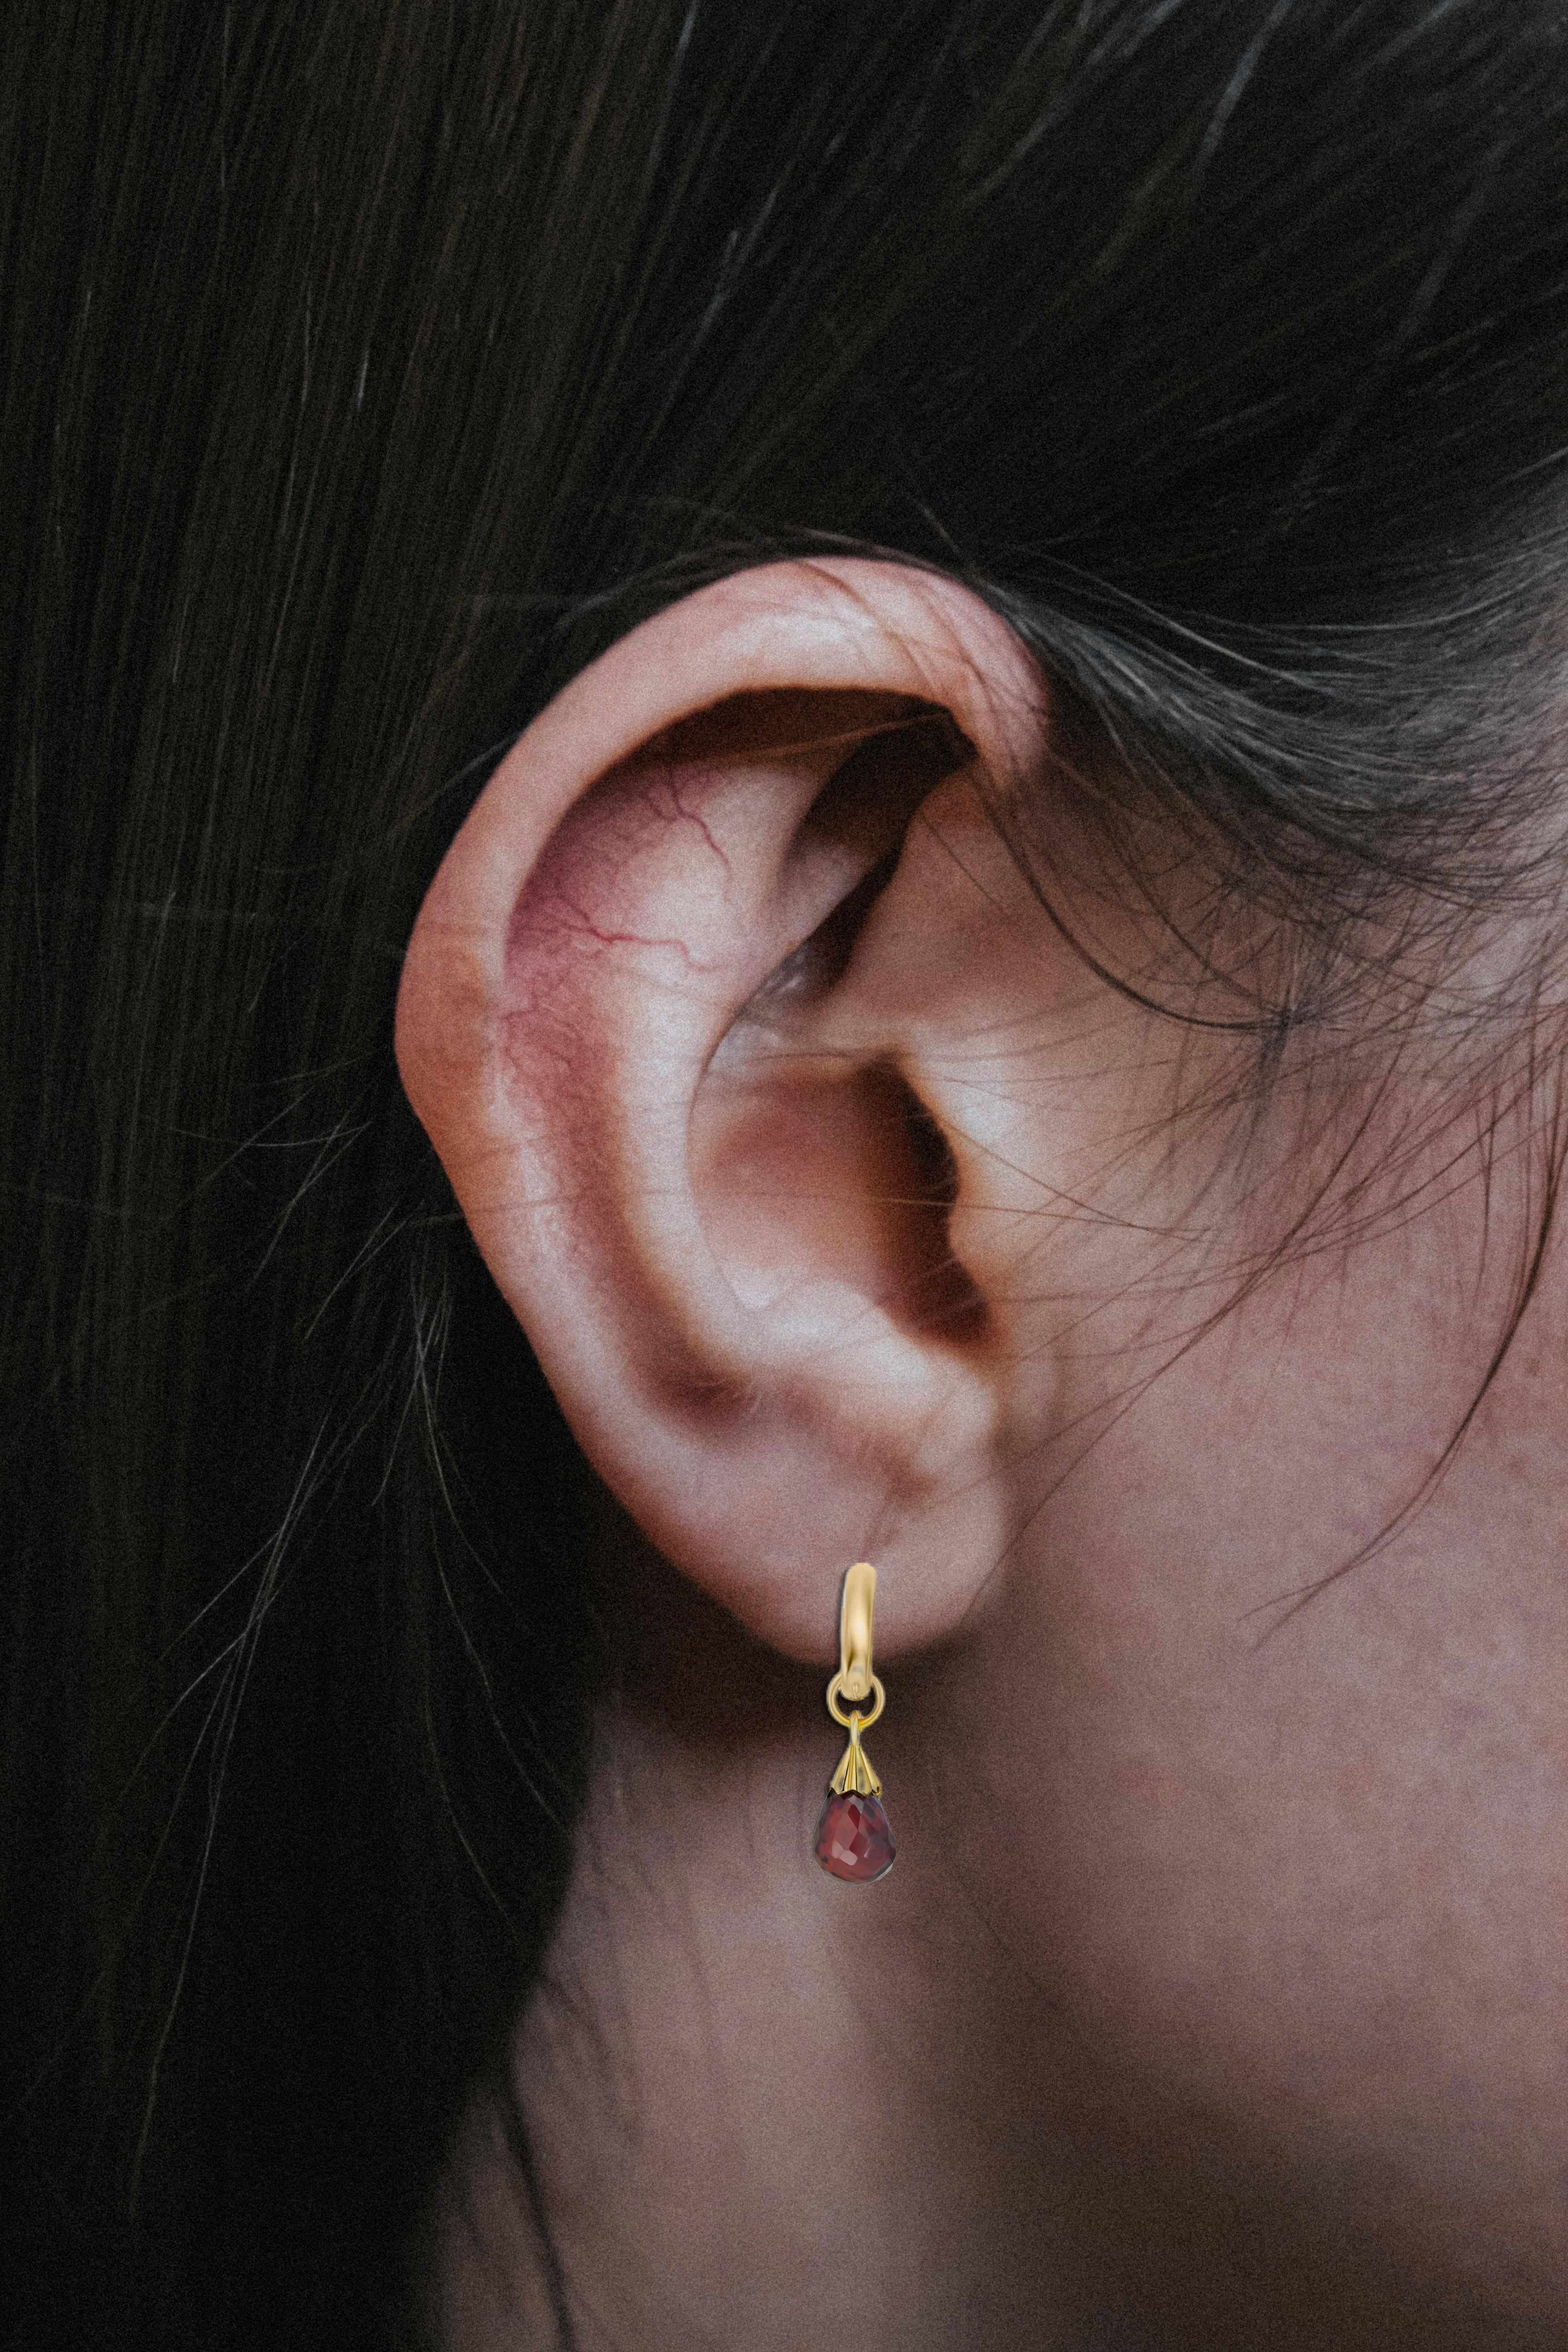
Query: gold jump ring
point(877, 1697)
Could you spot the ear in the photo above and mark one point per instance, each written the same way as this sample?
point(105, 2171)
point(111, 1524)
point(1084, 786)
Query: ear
point(673, 1015)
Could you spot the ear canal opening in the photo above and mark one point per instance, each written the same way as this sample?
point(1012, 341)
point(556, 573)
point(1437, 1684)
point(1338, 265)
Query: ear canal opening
point(811, 1166)
point(935, 1293)
point(812, 1170)
point(869, 804)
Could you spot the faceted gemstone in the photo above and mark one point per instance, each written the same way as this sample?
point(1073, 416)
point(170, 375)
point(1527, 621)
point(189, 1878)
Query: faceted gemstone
point(853, 1839)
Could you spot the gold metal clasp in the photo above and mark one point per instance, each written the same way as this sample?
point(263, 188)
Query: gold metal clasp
point(857, 1774)
point(853, 1839)
point(854, 1683)
point(854, 1630)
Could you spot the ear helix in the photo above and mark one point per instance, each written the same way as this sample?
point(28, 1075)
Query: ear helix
point(853, 1839)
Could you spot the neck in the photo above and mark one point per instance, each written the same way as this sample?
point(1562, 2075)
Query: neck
point(756, 2097)
point(1083, 2071)
point(759, 2097)
point(756, 2101)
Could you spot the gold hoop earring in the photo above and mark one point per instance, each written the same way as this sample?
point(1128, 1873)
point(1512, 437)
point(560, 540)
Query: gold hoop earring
point(853, 1839)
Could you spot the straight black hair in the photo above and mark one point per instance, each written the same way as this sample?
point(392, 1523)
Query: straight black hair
point(365, 371)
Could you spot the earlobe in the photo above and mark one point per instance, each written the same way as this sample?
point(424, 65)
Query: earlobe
point(690, 1149)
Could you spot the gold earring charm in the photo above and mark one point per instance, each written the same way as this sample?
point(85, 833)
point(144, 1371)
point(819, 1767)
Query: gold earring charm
point(853, 1839)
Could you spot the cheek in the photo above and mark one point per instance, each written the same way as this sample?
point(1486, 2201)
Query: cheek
point(1300, 1881)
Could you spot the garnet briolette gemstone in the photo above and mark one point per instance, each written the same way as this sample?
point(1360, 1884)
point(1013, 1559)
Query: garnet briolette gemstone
point(853, 1839)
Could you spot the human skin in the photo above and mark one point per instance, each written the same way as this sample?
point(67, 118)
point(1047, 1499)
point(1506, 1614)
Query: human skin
point(1216, 1995)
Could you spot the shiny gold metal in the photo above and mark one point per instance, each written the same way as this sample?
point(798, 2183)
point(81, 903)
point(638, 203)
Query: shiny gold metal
point(855, 1630)
point(855, 1680)
point(835, 1703)
point(856, 1773)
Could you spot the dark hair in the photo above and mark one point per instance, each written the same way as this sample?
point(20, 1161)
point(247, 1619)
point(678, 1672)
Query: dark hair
point(366, 370)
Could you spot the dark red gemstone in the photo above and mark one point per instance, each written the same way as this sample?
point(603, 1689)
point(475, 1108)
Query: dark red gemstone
point(853, 1839)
